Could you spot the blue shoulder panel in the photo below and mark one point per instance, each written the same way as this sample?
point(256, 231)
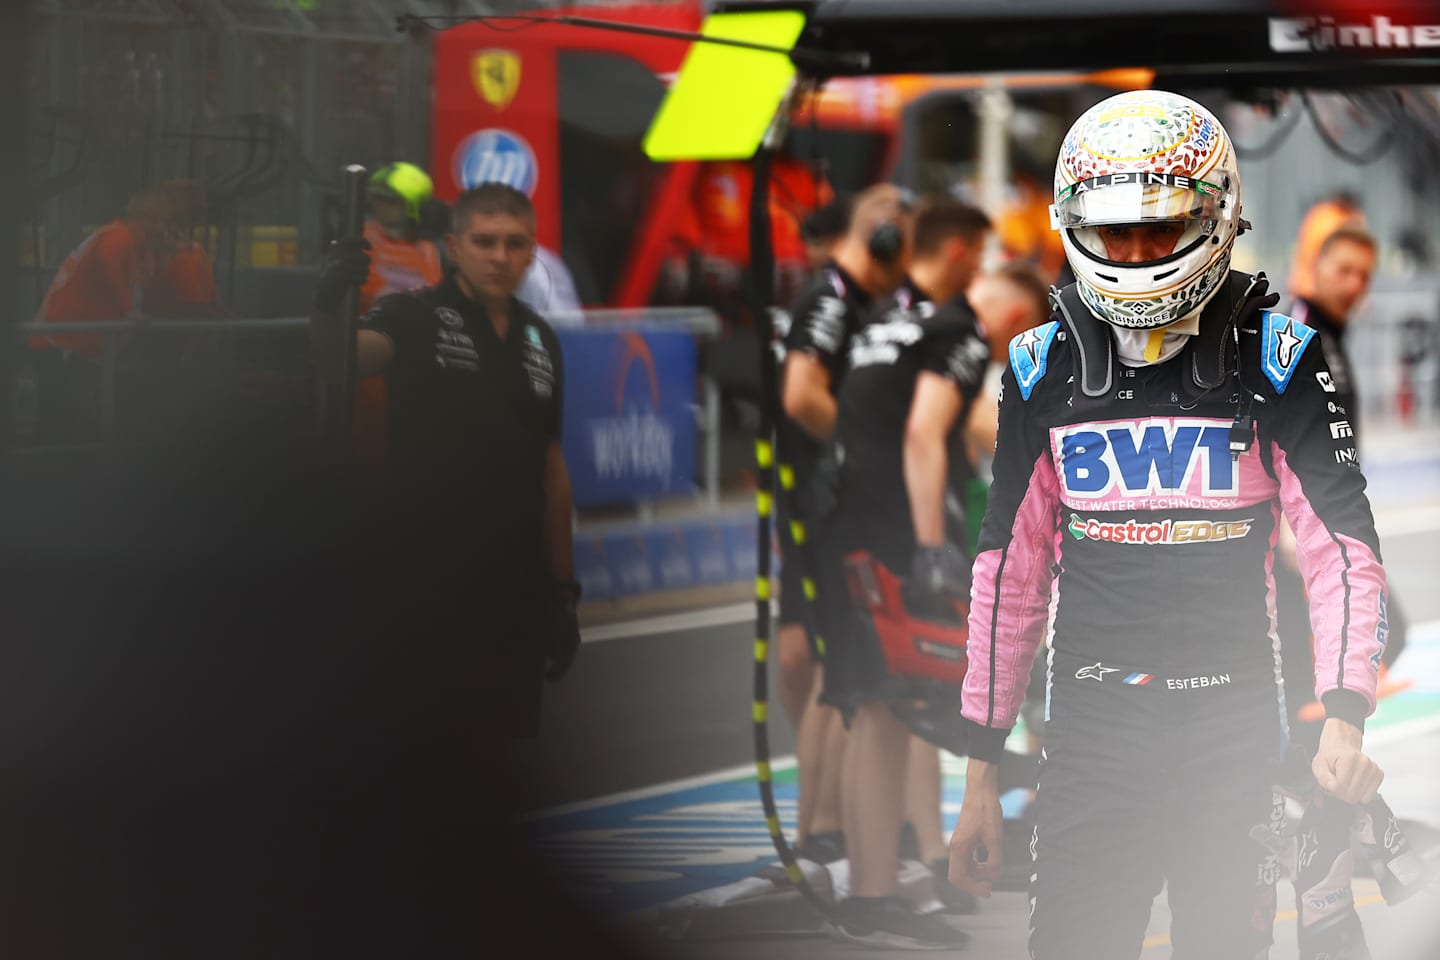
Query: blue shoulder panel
point(1283, 340)
point(1028, 355)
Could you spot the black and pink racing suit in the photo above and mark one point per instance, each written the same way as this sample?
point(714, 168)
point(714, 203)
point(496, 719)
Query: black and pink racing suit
point(1123, 522)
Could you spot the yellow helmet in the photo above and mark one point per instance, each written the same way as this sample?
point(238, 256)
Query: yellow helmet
point(403, 181)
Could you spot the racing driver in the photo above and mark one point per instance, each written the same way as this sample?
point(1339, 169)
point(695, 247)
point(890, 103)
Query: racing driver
point(1151, 435)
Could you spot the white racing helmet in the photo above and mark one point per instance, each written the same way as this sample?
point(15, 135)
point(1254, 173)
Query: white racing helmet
point(1140, 157)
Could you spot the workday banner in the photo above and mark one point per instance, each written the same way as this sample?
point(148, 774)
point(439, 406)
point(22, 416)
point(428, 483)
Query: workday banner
point(629, 413)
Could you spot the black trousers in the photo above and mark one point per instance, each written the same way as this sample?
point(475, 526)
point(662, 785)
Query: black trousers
point(1149, 783)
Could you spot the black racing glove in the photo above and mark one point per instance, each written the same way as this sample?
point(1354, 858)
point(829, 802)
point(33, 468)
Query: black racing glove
point(345, 267)
point(942, 571)
point(1257, 298)
point(563, 640)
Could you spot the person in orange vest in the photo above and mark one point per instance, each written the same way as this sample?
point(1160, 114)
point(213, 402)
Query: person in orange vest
point(1321, 220)
point(140, 266)
point(105, 278)
point(185, 283)
point(400, 260)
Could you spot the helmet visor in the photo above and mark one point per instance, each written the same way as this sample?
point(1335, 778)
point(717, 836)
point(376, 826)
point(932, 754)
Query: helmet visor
point(1138, 198)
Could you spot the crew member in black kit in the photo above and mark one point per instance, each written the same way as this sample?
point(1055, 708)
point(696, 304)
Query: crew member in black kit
point(868, 262)
point(474, 464)
point(912, 374)
point(1340, 278)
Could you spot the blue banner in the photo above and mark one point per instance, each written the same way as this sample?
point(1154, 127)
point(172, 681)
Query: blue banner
point(641, 558)
point(630, 402)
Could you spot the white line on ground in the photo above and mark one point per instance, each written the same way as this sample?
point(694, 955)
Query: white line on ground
point(671, 622)
point(785, 762)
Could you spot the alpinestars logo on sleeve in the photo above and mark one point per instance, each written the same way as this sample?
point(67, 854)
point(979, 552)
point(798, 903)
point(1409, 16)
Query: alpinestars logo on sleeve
point(1029, 342)
point(1029, 354)
point(1285, 340)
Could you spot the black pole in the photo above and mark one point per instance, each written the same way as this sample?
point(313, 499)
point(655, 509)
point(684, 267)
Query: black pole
point(343, 390)
point(761, 269)
point(762, 272)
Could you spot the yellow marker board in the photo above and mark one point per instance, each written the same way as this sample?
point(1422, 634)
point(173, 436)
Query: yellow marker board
point(724, 98)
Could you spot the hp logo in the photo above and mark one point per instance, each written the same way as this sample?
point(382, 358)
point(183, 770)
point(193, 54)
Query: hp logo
point(496, 156)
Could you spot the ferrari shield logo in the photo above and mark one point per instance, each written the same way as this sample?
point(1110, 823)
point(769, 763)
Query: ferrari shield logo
point(496, 75)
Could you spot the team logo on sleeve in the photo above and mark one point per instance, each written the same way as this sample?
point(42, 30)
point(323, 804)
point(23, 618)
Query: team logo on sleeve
point(1285, 339)
point(1029, 353)
point(966, 361)
point(780, 323)
point(826, 324)
point(880, 343)
point(538, 365)
point(1382, 633)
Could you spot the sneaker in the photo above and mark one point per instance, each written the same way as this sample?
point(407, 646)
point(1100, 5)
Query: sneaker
point(889, 922)
point(956, 901)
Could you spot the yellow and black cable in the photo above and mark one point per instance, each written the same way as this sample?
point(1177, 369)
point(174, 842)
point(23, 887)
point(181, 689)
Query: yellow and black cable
point(762, 269)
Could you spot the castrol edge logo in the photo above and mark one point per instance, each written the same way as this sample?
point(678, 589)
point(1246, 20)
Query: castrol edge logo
point(1158, 531)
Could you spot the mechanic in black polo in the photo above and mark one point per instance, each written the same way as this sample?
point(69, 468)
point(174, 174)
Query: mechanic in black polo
point(912, 374)
point(476, 499)
point(867, 262)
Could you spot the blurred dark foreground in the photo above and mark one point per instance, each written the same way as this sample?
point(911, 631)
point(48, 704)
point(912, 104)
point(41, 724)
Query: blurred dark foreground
point(241, 714)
